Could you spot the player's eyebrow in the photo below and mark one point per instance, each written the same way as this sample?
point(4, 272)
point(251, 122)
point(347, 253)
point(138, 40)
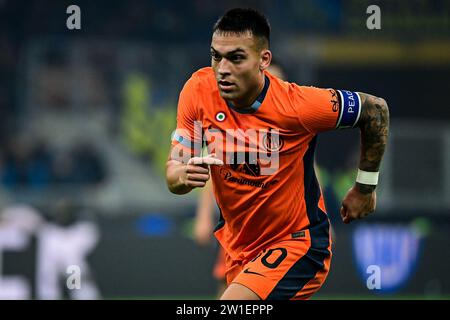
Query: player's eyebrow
point(237, 50)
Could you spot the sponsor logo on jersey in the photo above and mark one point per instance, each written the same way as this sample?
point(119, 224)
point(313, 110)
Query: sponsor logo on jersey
point(227, 175)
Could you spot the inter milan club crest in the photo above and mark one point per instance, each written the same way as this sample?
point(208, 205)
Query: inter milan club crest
point(272, 142)
point(220, 116)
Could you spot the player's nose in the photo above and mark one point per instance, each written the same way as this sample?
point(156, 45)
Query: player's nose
point(224, 67)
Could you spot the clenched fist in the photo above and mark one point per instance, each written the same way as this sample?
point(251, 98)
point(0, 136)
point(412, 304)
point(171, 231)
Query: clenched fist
point(196, 172)
point(357, 205)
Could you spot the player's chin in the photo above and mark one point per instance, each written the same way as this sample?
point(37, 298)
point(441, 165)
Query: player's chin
point(228, 94)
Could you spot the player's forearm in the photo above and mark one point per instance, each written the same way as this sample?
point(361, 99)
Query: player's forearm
point(175, 170)
point(374, 125)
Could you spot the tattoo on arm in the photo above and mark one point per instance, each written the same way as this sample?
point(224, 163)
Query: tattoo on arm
point(374, 125)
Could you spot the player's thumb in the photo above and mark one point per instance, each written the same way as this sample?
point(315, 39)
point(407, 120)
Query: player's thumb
point(211, 159)
point(194, 161)
point(344, 213)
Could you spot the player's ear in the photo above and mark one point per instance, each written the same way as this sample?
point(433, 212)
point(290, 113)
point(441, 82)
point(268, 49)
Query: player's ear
point(265, 59)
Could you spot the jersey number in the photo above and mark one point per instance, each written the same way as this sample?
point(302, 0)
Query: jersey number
point(277, 262)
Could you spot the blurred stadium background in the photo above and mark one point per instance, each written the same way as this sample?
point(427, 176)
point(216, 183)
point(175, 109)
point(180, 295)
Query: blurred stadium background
point(85, 123)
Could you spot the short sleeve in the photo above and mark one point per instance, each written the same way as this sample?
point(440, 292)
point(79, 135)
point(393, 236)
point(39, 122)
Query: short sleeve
point(327, 109)
point(187, 136)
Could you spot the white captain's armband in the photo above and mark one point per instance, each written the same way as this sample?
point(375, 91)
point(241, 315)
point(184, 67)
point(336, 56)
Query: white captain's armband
point(350, 109)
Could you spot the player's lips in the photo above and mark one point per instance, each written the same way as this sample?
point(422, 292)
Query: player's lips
point(225, 85)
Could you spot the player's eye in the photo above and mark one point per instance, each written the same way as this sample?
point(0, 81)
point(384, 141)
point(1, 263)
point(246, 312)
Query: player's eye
point(237, 58)
point(215, 56)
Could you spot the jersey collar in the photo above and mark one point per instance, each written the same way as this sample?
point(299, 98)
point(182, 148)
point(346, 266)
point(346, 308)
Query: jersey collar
point(259, 100)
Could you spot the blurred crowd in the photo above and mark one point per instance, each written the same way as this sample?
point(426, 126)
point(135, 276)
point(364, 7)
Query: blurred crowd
point(26, 163)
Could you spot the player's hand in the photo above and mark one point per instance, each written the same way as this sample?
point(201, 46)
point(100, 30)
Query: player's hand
point(357, 205)
point(196, 171)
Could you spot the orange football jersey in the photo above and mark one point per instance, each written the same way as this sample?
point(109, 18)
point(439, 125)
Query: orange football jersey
point(267, 190)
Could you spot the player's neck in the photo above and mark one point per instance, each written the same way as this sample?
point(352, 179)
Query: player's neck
point(252, 96)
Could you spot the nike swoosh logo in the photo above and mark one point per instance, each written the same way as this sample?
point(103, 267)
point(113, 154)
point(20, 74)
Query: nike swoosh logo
point(251, 272)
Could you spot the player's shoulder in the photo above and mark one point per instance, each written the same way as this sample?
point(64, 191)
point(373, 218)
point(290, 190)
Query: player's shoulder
point(289, 89)
point(201, 79)
point(284, 90)
point(276, 83)
point(310, 91)
point(310, 94)
point(203, 74)
point(199, 88)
